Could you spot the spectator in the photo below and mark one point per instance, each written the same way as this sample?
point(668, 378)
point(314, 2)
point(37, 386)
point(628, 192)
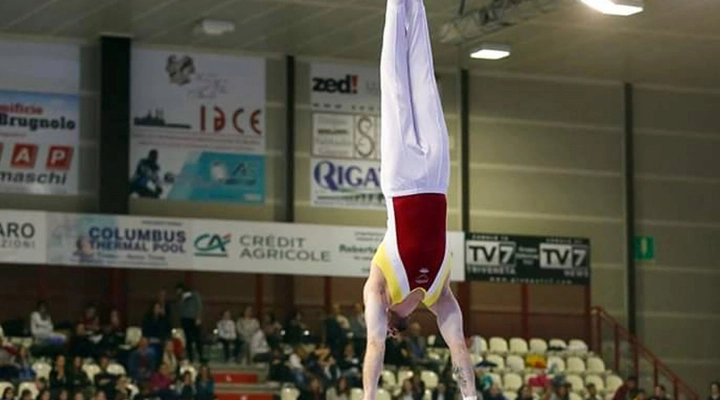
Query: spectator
point(275, 333)
point(204, 384)
point(26, 394)
point(483, 381)
point(121, 391)
point(156, 325)
point(58, 375)
point(8, 354)
point(228, 336)
point(340, 391)
point(524, 393)
point(329, 368)
point(628, 390)
point(407, 392)
point(113, 334)
point(42, 328)
point(77, 378)
point(80, 344)
point(295, 328)
point(79, 396)
point(358, 328)
point(8, 393)
point(336, 328)
point(259, 347)
point(25, 371)
point(63, 394)
point(41, 384)
point(190, 311)
point(314, 391)
point(141, 362)
point(350, 365)
point(418, 385)
point(105, 381)
point(161, 382)
point(91, 320)
point(164, 303)
point(147, 394)
point(659, 393)
point(714, 391)
point(641, 395)
point(247, 326)
point(169, 358)
point(186, 389)
point(44, 395)
point(442, 392)
point(100, 395)
point(394, 352)
point(416, 346)
point(592, 393)
point(558, 391)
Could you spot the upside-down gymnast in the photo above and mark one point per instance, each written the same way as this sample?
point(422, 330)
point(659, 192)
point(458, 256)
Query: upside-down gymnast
point(412, 264)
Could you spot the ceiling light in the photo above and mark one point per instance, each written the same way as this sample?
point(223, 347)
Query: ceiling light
point(214, 27)
point(616, 7)
point(490, 51)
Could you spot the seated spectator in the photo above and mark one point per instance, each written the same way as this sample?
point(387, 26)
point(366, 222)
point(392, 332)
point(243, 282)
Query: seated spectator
point(524, 393)
point(416, 347)
point(100, 395)
point(418, 385)
point(147, 394)
point(350, 364)
point(169, 358)
point(91, 320)
point(641, 395)
point(105, 381)
point(26, 395)
point(41, 384)
point(113, 335)
point(78, 380)
point(296, 364)
point(259, 347)
point(25, 371)
point(275, 332)
point(358, 328)
point(295, 328)
point(156, 325)
point(80, 343)
point(79, 396)
point(395, 354)
point(63, 394)
point(659, 393)
point(714, 391)
point(204, 384)
point(141, 363)
point(494, 393)
point(337, 327)
point(44, 395)
point(341, 390)
point(446, 377)
point(628, 390)
point(314, 391)
point(42, 328)
point(186, 389)
point(558, 390)
point(407, 392)
point(58, 375)
point(330, 370)
point(483, 381)
point(8, 393)
point(121, 390)
point(8, 368)
point(247, 325)
point(228, 336)
point(161, 381)
point(591, 393)
point(442, 392)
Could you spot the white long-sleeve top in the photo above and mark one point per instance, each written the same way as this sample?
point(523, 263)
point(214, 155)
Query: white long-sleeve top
point(41, 328)
point(259, 344)
point(226, 329)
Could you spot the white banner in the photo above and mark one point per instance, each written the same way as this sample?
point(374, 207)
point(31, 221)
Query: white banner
point(119, 241)
point(297, 249)
point(40, 67)
point(22, 237)
point(346, 184)
point(345, 88)
point(352, 136)
point(198, 126)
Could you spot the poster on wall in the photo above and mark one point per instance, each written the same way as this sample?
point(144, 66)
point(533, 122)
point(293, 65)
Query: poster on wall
point(39, 138)
point(346, 184)
point(22, 237)
point(198, 127)
point(527, 259)
point(118, 241)
point(297, 249)
point(346, 135)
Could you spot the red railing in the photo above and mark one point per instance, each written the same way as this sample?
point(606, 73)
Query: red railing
point(629, 357)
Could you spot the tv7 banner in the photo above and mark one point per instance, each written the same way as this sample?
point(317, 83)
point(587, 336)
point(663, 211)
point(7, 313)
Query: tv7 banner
point(527, 259)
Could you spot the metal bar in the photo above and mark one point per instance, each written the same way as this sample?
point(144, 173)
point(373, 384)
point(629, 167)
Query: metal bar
point(630, 210)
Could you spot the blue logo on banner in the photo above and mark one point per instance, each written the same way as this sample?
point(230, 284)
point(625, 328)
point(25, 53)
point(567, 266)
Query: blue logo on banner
point(340, 178)
point(209, 176)
point(134, 239)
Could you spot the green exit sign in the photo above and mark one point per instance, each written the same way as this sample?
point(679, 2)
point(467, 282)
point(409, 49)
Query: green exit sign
point(644, 248)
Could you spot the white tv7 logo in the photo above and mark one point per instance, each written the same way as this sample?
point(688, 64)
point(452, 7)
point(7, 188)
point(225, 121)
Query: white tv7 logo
point(562, 256)
point(490, 253)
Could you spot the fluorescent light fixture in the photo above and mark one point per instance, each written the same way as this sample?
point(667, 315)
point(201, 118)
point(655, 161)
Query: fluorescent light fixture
point(491, 51)
point(616, 7)
point(214, 27)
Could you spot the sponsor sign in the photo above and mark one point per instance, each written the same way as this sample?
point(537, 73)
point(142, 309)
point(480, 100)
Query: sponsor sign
point(297, 249)
point(346, 184)
point(119, 241)
point(345, 88)
point(198, 121)
point(39, 135)
point(40, 67)
point(351, 136)
point(527, 259)
point(22, 237)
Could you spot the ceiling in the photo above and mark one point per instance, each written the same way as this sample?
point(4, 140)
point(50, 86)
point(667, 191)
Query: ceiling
point(674, 42)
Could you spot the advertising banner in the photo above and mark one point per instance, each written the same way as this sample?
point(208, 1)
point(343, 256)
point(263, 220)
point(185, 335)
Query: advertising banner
point(39, 137)
point(298, 249)
point(346, 184)
point(198, 126)
point(22, 237)
point(345, 88)
point(119, 241)
point(527, 259)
